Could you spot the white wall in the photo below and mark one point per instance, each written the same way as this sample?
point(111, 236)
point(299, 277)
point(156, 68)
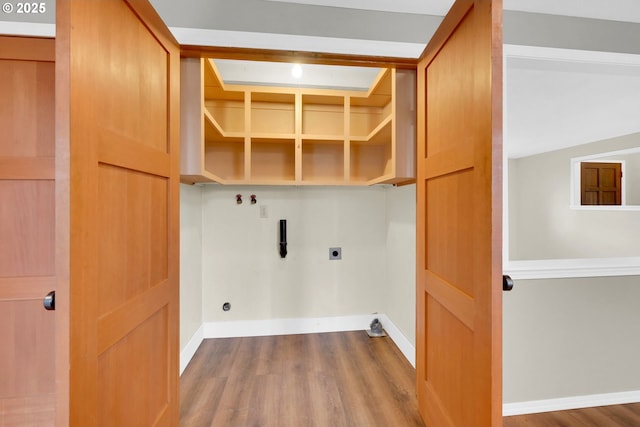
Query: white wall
point(230, 254)
point(190, 262)
point(543, 226)
point(400, 288)
point(241, 264)
point(571, 337)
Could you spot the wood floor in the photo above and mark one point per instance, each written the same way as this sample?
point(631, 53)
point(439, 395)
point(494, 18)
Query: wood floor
point(603, 416)
point(327, 380)
point(332, 379)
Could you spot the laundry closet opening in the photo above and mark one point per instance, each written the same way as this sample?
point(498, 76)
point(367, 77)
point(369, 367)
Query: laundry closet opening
point(335, 159)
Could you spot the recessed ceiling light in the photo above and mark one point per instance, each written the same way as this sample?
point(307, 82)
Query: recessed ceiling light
point(296, 71)
point(254, 73)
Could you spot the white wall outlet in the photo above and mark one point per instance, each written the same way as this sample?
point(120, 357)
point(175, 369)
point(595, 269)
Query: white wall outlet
point(263, 211)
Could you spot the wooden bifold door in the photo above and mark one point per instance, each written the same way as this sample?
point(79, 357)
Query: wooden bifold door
point(459, 219)
point(117, 97)
point(27, 232)
point(89, 205)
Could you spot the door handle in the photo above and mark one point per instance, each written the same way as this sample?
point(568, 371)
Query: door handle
point(49, 301)
point(507, 283)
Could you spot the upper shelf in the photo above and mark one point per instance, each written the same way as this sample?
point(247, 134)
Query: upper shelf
point(240, 134)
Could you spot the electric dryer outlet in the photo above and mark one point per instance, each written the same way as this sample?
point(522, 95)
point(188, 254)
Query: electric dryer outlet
point(335, 253)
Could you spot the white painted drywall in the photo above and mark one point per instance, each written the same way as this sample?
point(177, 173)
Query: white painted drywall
point(571, 337)
point(568, 337)
point(400, 288)
point(242, 266)
point(542, 224)
point(230, 254)
point(190, 262)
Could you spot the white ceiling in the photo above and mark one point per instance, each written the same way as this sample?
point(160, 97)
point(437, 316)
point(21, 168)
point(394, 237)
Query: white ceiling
point(556, 98)
point(428, 7)
point(615, 10)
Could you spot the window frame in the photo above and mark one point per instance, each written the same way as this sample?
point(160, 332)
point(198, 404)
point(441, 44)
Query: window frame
point(608, 157)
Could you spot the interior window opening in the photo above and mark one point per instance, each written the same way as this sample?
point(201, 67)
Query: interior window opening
point(600, 183)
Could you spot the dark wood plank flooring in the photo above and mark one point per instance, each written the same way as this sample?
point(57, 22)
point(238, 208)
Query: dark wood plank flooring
point(331, 379)
point(328, 380)
point(602, 416)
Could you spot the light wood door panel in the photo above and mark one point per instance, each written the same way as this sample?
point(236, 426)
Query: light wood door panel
point(459, 200)
point(120, 79)
point(27, 230)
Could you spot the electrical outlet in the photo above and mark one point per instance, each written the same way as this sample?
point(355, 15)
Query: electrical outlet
point(335, 253)
point(263, 211)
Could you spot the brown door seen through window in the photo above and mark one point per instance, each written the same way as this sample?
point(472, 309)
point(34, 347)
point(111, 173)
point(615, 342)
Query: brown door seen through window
point(600, 183)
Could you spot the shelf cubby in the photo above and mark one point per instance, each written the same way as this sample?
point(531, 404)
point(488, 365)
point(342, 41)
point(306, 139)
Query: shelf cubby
point(322, 161)
point(323, 115)
point(368, 112)
point(228, 114)
point(272, 160)
point(225, 107)
point(223, 155)
point(370, 162)
point(370, 156)
point(273, 113)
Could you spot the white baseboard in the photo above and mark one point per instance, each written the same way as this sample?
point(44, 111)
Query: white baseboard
point(405, 346)
point(190, 349)
point(575, 402)
point(254, 328)
point(257, 328)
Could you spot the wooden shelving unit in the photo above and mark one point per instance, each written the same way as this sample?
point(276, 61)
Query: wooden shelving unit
point(234, 134)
